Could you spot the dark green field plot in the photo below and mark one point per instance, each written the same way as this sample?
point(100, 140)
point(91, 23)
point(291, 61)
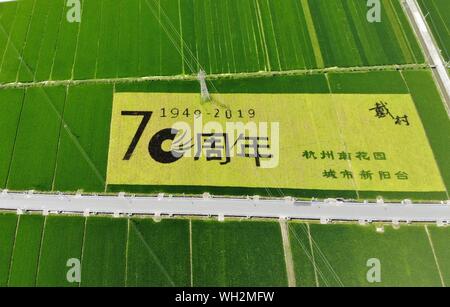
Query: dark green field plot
point(8, 224)
point(44, 251)
point(10, 108)
point(84, 139)
point(440, 237)
point(104, 251)
point(62, 241)
point(14, 29)
point(27, 246)
point(131, 38)
point(158, 253)
point(437, 14)
point(347, 38)
point(237, 254)
point(342, 255)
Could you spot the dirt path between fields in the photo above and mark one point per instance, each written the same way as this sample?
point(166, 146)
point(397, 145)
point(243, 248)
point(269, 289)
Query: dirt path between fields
point(287, 253)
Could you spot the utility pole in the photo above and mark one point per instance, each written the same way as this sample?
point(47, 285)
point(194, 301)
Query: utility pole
point(203, 88)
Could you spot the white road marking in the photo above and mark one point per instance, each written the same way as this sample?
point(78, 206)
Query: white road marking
point(435, 256)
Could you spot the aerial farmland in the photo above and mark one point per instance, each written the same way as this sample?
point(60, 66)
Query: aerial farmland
point(231, 143)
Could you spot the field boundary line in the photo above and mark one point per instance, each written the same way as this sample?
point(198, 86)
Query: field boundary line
point(262, 36)
point(399, 33)
point(154, 256)
point(435, 256)
point(82, 250)
point(126, 252)
point(55, 169)
point(55, 46)
point(190, 252)
point(313, 34)
point(312, 255)
point(100, 37)
point(218, 76)
point(290, 271)
point(40, 251)
point(75, 56)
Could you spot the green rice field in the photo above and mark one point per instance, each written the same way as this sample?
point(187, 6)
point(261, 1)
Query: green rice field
point(195, 252)
point(132, 38)
point(438, 17)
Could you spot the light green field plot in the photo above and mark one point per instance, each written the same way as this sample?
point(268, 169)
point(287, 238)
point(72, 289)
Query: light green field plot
point(130, 38)
point(10, 110)
point(158, 254)
point(237, 254)
point(85, 61)
point(62, 240)
point(339, 255)
point(345, 35)
point(8, 225)
point(437, 14)
point(306, 275)
point(27, 246)
point(16, 39)
point(71, 150)
point(104, 259)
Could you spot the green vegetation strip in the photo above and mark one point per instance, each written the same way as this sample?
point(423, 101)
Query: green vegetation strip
point(8, 225)
point(437, 14)
point(237, 254)
point(166, 38)
point(24, 263)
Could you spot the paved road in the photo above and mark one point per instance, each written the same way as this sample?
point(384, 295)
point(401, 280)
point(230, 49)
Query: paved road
point(429, 45)
point(331, 210)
